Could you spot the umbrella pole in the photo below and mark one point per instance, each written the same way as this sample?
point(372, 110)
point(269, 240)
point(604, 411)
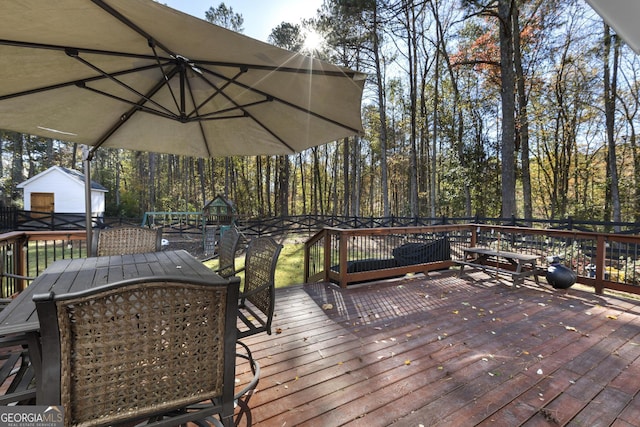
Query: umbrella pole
point(86, 158)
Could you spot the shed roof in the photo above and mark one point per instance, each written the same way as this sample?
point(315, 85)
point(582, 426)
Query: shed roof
point(71, 173)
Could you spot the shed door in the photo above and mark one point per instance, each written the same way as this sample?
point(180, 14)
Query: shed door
point(42, 202)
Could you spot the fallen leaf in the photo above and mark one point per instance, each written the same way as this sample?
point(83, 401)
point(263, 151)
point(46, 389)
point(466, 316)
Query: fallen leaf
point(407, 362)
point(612, 317)
point(571, 328)
point(327, 306)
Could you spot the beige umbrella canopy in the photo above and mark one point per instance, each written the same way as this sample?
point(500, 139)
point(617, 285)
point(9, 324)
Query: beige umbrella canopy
point(139, 75)
point(622, 16)
point(136, 74)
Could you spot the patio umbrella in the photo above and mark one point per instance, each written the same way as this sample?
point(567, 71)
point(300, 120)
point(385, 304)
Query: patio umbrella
point(136, 74)
point(622, 16)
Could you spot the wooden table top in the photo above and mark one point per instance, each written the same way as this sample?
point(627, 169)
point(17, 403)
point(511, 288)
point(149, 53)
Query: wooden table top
point(78, 274)
point(503, 254)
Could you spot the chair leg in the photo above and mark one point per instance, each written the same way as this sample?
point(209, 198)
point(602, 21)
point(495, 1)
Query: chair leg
point(242, 398)
point(245, 411)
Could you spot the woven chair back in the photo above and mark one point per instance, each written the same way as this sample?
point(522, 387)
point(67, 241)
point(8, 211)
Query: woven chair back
point(139, 348)
point(227, 250)
point(126, 240)
point(259, 280)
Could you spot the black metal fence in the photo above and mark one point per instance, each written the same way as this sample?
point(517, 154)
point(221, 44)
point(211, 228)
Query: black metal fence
point(191, 222)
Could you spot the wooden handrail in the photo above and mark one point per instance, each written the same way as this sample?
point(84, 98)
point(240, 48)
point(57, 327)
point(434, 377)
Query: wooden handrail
point(20, 259)
point(616, 258)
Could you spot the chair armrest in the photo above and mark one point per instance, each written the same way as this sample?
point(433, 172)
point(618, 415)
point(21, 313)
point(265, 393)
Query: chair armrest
point(224, 267)
point(255, 291)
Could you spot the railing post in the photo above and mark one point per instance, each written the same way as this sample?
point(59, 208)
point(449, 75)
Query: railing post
point(601, 252)
point(342, 256)
point(306, 261)
point(474, 236)
point(327, 253)
point(19, 261)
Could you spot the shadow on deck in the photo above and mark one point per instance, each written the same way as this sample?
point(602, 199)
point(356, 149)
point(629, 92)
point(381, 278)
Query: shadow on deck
point(439, 350)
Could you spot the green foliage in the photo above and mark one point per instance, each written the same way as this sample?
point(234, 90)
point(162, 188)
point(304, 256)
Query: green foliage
point(225, 17)
point(287, 36)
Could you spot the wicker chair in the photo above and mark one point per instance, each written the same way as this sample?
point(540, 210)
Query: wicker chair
point(227, 250)
point(142, 349)
point(257, 299)
point(126, 240)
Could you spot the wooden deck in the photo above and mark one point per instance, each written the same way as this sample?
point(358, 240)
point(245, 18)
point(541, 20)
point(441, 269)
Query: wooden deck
point(441, 350)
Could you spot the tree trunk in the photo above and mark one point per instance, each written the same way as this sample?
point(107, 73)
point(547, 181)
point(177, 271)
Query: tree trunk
point(284, 177)
point(382, 107)
point(508, 109)
point(523, 119)
point(610, 83)
point(346, 178)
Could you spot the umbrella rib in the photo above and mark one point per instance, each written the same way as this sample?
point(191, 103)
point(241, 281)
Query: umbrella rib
point(287, 103)
point(242, 108)
point(73, 83)
point(218, 90)
point(110, 10)
point(168, 114)
point(271, 132)
point(195, 107)
point(209, 116)
point(45, 46)
point(74, 54)
point(164, 75)
point(125, 117)
point(330, 73)
point(280, 68)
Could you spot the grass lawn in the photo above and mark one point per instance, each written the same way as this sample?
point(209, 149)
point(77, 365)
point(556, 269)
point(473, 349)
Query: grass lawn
point(290, 270)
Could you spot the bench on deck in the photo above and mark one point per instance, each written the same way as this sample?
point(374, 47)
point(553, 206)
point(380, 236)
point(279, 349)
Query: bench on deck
point(513, 264)
point(407, 258)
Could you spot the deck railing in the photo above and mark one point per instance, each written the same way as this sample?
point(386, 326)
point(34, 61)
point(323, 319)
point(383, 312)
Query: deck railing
point(600, 260)
point(356, 255)
point(28, 253)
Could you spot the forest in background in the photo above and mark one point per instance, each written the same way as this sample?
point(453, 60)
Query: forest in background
point(472, 107)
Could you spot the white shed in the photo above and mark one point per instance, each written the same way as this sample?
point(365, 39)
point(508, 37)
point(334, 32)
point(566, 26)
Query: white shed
point(61, 190)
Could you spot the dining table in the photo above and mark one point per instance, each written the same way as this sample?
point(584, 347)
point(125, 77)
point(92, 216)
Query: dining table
point(20, 317)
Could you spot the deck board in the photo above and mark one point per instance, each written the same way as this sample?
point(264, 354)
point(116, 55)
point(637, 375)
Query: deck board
point(443, 350)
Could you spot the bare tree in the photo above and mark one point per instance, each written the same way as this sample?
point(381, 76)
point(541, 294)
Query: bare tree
point(610, 88)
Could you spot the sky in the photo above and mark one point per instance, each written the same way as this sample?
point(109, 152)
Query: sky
point(260, 16)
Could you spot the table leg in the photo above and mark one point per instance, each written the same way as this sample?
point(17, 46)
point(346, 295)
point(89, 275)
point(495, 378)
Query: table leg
point(517, 276)
point(535, 272)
